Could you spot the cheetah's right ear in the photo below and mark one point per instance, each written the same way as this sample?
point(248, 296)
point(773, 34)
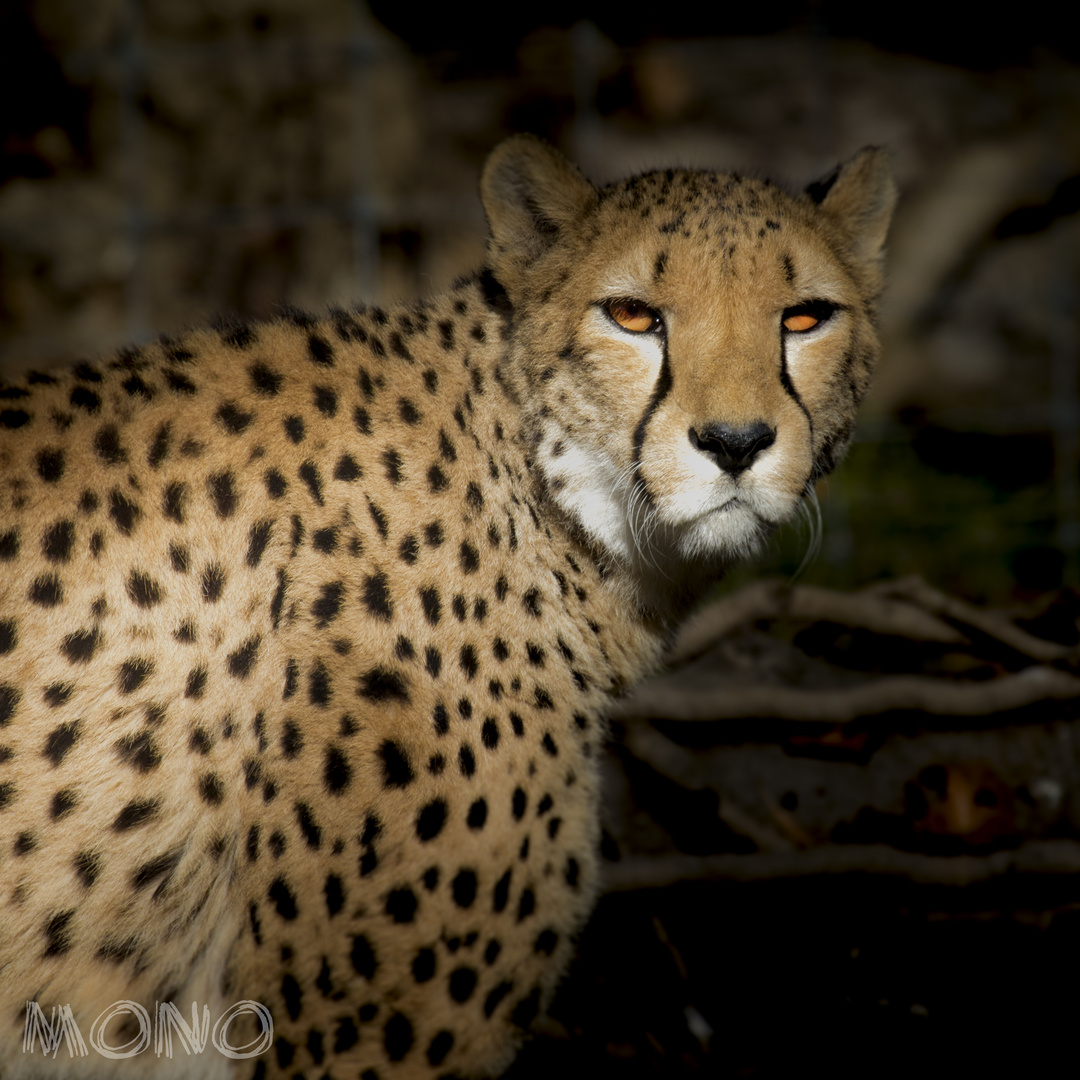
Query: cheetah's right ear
point(860, 195)
point(530, 194)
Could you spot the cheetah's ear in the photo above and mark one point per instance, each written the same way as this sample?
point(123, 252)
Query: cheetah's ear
point(530, 194)
point(860, 195)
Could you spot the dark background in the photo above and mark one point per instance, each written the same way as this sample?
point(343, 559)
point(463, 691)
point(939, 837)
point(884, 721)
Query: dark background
point(163, 161)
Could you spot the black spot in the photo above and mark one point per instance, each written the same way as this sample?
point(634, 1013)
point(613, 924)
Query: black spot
point(275, 483)
point(474, 496)
point(401, 905)
point(346, 1035)
point(470, 558)
point(379, 518)
point(9, 636)
point(173, 501)
point(477, 814)
point(439, 1047)
point(500, 649)
point(233, 419)
point(531, 602)
point(468, 661)
point(108, 447)
point(347, 469)
point(87, 866)
point(309, 828)
point(462, 984)
point(57, 694)
point(517, 724)
point(440, 719)
point(490, 733)
point(9, 544)
point(423, 965)
point(571, 872)
point(294, 429)
point(325, 541)
point(430, 820)
point(326, 400)
point(135, 813)
point(159, 449)
point(59, 741)
point(211, 789)
point(264, 380)
point(397, 772)
point(258, 538)
point(534, 653)
point(50, 465)
point(543, 700)
point(363, 957)
point(491, 1002)
point(292, 739)
point(320, 688)
point(409, 412)
point(328, 606)
point(362, 420)
point(133, 673)
point(139, 750)
point(548, 743)
point(179, 382)
point(337, 773)
point(222, 489)
point(81, 397)
point(518, 804)
point(429, 599)
point(320, 351)
point(464, 888)
point(63, 802)
point(143, 590)
point(466, 760)
point(57, 930)
point(213, 583)
point(46, 591)
point(397, 1037)
point(80, 646)
point(57, 541)
point(243, 659)
point(383, 684)
point(283, 898)
point(160, 867)
point(437, 479)
point(459, 608)
point(376, 596)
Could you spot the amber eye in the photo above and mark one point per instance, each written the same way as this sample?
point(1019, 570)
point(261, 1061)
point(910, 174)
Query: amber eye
point(798, 323)
point(634, 316)
point(803, 317)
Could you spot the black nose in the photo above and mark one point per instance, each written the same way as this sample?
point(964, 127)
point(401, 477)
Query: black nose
point(733, 448)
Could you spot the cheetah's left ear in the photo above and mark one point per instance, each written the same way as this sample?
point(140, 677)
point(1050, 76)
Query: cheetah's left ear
point(531, 193)
point(860, 195)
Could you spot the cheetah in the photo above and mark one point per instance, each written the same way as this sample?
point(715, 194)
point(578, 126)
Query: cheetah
point(308, 627)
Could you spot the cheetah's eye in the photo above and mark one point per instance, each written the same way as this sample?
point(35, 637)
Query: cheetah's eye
point(803, 317)
point(634, 316)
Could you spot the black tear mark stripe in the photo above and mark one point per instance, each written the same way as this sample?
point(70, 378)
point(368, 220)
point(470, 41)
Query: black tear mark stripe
point(789, 387)
point(660, 391)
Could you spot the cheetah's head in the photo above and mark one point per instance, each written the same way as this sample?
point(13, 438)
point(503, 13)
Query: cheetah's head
point(688, 347)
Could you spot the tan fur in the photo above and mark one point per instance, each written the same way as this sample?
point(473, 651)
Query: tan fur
point(308, 627)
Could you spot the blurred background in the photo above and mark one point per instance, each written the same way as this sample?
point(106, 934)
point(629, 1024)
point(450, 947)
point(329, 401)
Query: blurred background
point(167, 160)
point(783, 893)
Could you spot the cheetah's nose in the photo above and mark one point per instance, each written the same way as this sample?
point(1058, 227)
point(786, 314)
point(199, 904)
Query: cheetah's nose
point(733, 448)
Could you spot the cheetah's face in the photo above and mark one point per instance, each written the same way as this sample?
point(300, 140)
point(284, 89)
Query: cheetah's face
point(696, 345)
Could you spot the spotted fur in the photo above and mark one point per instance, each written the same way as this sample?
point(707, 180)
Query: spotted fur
point(307, 628)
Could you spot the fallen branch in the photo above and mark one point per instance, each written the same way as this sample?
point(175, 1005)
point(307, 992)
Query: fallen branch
point(669, 697)
point(1044, 857)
